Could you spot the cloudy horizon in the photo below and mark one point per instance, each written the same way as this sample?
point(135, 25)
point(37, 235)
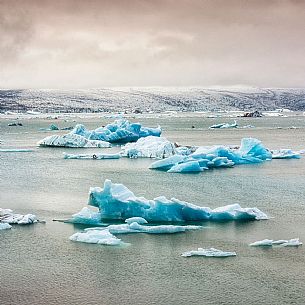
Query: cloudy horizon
point(86, 44)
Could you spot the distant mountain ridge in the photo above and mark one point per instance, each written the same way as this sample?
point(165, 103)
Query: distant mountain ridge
point(156, 99)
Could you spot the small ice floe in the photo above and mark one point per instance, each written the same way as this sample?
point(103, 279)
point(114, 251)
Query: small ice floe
point(149, 147)
point(5, 226)
point(294, 242)
point(15, 150)
point(285, 154)
point(101, 237)
point(7, 216)
point(224, 125)
point(116, 201)
point(212, 252)
point(72, 140)
point(92, 156)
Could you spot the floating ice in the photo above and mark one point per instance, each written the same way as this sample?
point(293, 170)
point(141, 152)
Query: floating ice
point(121, 131)
point(149, 147)
point(71, 140)
point(116, 201)
point(250, 151)
point(7, 216)
point(294, 242)
point(224, 125)
point(5, 226)
point(15, 150)
point(101, 237)
point(212, 252)
point(285, 154)
point(86, 216)
point(92, 156)
point(139, 220)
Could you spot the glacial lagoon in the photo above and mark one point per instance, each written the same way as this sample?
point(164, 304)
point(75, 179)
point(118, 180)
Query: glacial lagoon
point(40, 265)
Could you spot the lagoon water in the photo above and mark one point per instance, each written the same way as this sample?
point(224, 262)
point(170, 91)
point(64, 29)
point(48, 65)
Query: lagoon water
point(39, 265)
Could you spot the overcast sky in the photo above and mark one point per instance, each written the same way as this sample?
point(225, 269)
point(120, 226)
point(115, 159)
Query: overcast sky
point(91, 43)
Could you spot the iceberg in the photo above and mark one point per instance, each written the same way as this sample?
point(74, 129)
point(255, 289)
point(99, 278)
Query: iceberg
point(101, 237)
point(250, 151)
point(294, 242)
point(72, 140)
point(116, 201)
point(285, 154)
point(212, 252)
point(224, 125)
point(121, 131)
point(5, 226)
point(7, 216)
point(92, 156)
point(149, 147)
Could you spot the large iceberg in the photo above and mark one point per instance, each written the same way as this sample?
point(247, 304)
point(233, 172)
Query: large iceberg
point(116, 201)
point(7, 216)
point(121, 131)
point(149, 147)
point(212, 252)
point(250, 151)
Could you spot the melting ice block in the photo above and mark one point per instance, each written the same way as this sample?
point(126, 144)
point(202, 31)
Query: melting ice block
point(7, 216)
point(101, 237)
point(212, 252)
point(285, 154)
point(116, 201)
point(149, 147)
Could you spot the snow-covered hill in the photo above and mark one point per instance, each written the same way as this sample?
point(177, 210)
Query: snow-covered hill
point(156, 99)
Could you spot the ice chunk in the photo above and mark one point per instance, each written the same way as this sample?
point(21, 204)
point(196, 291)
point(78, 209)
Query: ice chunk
point(7, 216)
point(294, 242)
point(187, 167)
point(264, 242)
point(5, 226)
point(138, 220)
point(71, 140)
point(285, 154)
point(212, 252)
point(167, 163)
point(149, 147)
point(101, 237)
point(15, 150)
point(92, 156)
point(86, 216)
point(224, 125)
point(116, 201)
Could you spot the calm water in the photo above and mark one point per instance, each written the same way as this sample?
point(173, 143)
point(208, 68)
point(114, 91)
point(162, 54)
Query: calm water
point(39, 265)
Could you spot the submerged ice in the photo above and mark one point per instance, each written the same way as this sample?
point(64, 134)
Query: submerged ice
point(250, 151)
point(116, 201)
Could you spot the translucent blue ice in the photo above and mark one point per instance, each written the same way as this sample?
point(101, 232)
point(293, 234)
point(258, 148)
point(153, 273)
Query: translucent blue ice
point(250, 151)
point(116, 201)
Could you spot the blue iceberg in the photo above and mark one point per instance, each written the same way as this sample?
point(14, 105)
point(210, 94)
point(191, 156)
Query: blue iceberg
point(121, 131)
point(251, 151)
point(116, 201)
